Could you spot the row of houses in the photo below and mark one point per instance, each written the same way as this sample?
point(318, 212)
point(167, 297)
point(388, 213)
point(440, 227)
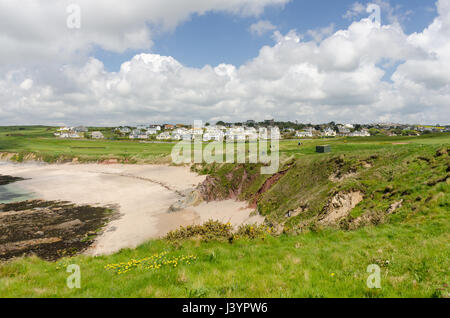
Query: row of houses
point(76, 133)
point(329, 132)
point(220, 133)
point(432, 129)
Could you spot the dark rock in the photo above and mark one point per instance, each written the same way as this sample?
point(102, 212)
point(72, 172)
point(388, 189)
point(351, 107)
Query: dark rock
point(48, 229)
point(4, 180)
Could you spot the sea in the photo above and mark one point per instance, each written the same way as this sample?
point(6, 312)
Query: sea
point(13, 193)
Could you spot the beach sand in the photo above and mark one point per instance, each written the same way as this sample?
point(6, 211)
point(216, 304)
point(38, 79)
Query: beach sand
point(141, 193)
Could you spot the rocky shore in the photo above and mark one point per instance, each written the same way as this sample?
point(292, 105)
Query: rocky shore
point(4, 180)
point(49, 229)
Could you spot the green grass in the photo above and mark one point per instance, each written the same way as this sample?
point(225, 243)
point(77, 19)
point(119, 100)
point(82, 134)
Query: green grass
point(376, 166)
point(39, 142)
point(410, 246)
point(413, 258)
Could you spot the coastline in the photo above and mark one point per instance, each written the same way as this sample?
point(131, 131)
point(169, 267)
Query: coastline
point(142, 195)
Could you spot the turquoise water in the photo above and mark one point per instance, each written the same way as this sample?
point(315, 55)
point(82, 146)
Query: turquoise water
point(10, 193)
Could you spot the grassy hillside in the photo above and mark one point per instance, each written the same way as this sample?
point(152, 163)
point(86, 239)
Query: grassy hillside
point(413, 258)
point(406, 175)
point(37, 142)
point(401, 224)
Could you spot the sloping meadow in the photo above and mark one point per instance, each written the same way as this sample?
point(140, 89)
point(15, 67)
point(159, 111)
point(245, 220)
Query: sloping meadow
point(348, 191)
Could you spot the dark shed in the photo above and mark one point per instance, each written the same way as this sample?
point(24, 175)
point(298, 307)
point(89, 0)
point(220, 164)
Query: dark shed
point(323, 149)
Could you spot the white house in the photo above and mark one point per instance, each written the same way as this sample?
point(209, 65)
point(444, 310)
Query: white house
point(97, 135)
point(343, 130)
point(163, 136)
point(152, 131)
point(124, 130)
point(65, 128)
point(215, 136)
point(67, 132)
point(180, 131)
point(329, 133)
point(303, 134)
point(138, 134)
point(71, 135)
point(362, 133)
point(307, 133)
point(157, 127)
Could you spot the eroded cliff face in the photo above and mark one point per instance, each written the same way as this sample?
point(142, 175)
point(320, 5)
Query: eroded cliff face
point(229, 185)
point(340, 206)
point(242, 182)
point(267, 185)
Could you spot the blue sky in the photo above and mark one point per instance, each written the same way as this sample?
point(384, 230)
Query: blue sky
point(352, 72)
point(215, 38)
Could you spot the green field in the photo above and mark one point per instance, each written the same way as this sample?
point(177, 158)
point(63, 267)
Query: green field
point(40, 142)
point(304, 258)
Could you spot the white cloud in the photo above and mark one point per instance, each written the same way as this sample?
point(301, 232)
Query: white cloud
point(338, 77)
point(389, 13)
point(26, 84)
point(33, 31)
point(262, 27)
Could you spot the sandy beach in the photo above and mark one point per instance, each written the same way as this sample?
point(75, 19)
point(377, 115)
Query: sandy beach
point(142, 194)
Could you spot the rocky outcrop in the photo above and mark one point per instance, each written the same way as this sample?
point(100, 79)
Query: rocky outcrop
point(339, 177)
point(190, 198)
point(229, 186)
point(235, 183)
point(394, 206)
point(340, 206)
point(21, 246)
point(4, 180)
point(49, 229)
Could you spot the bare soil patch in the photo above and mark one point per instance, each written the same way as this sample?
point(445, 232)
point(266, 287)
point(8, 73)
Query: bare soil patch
point(340, 206)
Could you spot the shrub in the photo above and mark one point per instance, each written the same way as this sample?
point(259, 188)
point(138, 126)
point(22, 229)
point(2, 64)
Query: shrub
point(253, 231)
point(214, 230)
point(211, 230)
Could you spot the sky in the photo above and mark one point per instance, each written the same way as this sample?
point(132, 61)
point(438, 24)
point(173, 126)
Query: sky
point(109, 62)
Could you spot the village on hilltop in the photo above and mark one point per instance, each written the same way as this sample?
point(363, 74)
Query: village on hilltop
point(247, 131)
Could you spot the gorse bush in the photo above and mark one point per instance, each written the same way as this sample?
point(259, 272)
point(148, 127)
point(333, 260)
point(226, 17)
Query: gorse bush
point(211, 230)
point(253, 231)
point(217, 231)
